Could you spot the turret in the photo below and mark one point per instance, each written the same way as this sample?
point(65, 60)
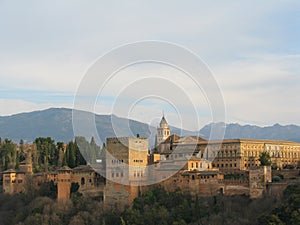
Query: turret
point(163, 131)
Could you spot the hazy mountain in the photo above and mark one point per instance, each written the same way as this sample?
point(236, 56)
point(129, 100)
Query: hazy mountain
point(275, 132)
point(57, 123)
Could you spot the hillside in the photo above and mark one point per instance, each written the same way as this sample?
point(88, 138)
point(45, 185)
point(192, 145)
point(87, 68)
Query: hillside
point(275, 132)
point(57, 123)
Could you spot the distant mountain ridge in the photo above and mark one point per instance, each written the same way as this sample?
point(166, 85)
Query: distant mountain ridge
point(57, 124)
point(275, 132)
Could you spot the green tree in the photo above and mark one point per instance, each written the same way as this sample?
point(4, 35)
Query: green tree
point(48, 189)
point(265, 159)
point(8, 155)
point(89, 150)
point(74, 187)
point(79, 158)
point(47, 151)
point(73, 156)
point(288, 211)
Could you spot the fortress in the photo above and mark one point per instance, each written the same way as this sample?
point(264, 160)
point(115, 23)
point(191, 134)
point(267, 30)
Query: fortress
point(189, 163)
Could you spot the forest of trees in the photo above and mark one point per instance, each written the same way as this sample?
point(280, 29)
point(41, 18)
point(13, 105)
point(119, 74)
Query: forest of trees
point(48, 155)
point(152, 208)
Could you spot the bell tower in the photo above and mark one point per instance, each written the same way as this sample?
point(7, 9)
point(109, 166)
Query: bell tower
point(163, 131)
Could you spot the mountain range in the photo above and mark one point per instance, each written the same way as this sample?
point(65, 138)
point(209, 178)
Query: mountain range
point(57, 124)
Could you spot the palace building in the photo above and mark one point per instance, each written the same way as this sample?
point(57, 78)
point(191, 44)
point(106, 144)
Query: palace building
point(231, 154)
point(190, 163)
point(242, 154)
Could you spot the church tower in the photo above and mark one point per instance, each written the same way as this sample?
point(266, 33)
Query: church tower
point(163, 131)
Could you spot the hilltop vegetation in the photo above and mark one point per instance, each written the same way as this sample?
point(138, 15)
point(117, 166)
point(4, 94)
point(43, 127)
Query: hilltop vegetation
point(48, 155)
point(154, 207)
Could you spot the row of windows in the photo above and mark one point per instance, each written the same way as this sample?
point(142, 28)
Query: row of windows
point(207, 177)
point(138, 160)
point(223, 147)
point(202, 177)
point(117, 161)
point(166, 132)
point(121, 174)
point(197, 165)
point(252, 147)
point(83, 181)
point(256, 154)
point(227, 154)
point(285, 154)
point(226, 165)
point(248, 165)
point(117, 174)
point(282, 147)
point(13, 181)
point(64, 180)
point(138, 174)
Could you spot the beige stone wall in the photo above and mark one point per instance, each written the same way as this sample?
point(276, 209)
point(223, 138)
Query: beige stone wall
point(258, 179)
point(86, 180)
point(229, 156)
point(9, 180)
point(128, 165)
point(241, 154)
point(198, 164)
point(13, 182)
point(116, 196)
point(64, 185)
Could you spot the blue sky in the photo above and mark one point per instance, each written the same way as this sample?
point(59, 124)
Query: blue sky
point(252, 48)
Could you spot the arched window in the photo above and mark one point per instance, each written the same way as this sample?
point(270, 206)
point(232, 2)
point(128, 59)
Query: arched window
point(82, 181)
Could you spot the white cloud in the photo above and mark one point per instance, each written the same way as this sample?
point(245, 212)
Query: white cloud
point(49, 46)
point(262, 89)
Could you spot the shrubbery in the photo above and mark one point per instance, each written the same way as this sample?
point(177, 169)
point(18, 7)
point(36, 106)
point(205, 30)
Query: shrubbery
point(154, 207)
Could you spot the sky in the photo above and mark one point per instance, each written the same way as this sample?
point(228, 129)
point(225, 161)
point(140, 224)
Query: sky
point(252, 48)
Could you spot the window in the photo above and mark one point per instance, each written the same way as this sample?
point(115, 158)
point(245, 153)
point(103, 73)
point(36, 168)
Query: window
point(138, 160)
point(82, 181)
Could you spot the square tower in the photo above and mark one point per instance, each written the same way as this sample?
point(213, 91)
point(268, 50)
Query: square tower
point(126, 159)
point(126, 163)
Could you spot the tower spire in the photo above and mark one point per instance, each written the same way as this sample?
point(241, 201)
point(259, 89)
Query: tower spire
point(163, 131)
